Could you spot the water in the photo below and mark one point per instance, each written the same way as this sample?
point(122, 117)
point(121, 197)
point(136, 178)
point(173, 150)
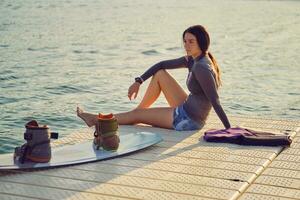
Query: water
point(55, 55)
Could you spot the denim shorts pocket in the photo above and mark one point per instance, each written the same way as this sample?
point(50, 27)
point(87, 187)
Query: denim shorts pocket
point(186, 125)
point(182, 122)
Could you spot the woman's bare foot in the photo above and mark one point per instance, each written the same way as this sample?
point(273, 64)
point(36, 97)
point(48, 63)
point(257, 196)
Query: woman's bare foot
point(88, 118)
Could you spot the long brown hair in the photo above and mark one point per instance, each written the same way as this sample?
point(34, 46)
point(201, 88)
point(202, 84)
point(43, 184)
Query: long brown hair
point(203, 41)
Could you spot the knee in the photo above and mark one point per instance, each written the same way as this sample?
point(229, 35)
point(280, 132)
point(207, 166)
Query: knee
point(159, 73)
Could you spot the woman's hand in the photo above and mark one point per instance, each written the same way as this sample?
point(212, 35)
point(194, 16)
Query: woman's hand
point(133, 90)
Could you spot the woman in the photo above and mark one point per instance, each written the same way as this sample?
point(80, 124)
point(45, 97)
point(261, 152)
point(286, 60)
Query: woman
point(185, 112)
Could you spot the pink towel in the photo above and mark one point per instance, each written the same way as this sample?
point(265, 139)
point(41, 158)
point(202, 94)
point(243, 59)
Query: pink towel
point(244, 136)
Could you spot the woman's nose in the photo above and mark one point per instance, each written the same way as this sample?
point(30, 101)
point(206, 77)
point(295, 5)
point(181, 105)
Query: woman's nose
point(187, 46)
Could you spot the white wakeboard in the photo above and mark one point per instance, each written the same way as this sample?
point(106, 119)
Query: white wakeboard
point(84, 152)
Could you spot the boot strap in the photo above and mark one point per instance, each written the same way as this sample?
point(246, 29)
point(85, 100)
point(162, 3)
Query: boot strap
point(26, 150)
point(27, 136)
point(23, 151)
point(105, 126)
point(97, 140)
point(37, 144)
point(109, 134)
point(98, 133)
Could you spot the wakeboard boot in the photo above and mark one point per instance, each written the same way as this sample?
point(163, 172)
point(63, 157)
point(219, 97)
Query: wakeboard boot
point(106, 133)
point(37, 148)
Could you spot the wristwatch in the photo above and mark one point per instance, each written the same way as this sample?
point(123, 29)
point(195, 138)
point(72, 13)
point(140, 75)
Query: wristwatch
point(139, 80)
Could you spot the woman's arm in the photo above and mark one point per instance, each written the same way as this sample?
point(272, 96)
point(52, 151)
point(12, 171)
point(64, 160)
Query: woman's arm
point(208, 84)
point(167, 64)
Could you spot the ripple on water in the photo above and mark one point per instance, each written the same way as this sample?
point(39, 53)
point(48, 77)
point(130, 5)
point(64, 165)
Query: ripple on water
point(6, 71)
point(4, 45)
point(293, 93)
point(87, 52)
point(8, 144)
point(173, 48)
point(238, 106)
point(7, 77)
point(42, 49)
point(7, 100)
point(65, 89)
point(150, 52)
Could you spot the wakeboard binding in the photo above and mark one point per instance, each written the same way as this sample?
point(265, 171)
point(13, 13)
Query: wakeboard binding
point(37, 147)
point(106, 133)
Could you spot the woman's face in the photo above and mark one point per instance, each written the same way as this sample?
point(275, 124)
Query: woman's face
point(191, 45)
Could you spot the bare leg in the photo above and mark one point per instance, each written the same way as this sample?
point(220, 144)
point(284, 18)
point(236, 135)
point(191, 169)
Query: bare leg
point(160, 117)
point(163, 81)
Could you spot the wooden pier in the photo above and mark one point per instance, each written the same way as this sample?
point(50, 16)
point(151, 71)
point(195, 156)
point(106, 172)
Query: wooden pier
point(182, 166)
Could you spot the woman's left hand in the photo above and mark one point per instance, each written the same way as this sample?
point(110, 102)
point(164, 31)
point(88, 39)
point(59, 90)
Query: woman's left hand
point(133, 90)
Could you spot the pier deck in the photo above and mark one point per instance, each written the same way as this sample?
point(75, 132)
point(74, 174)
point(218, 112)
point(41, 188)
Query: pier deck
point(182, 166)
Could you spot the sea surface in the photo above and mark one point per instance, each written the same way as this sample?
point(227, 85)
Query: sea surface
point(57, 54)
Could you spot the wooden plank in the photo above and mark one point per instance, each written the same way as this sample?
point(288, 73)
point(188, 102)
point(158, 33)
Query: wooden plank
point(252, 196)
point(282, 173)
point(274, 191)
point(177, 178)
point(130, 187)
point(203, 146)
point(170, 163)
point(285, 165)
point(15, 197)
point(286, 182)
point(204, 156)
point(291, 158)
point(291, 151)
point(143, 172)
point(51, 193)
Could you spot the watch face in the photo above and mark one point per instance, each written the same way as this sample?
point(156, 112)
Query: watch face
point(138, 79)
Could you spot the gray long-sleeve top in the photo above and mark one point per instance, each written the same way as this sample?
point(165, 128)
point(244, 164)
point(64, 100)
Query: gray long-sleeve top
point(201, 82)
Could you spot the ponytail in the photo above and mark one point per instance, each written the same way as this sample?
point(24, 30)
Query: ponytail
point(216, 69)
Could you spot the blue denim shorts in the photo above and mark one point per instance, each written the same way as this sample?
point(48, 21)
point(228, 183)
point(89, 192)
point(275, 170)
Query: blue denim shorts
point(182, 122)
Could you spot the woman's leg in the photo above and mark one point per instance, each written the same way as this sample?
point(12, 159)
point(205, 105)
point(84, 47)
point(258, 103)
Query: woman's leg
point(89, 118)
point(163, 81)
point(160, 117)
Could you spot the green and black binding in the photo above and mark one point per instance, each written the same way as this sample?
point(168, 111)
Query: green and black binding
point(106, 133)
